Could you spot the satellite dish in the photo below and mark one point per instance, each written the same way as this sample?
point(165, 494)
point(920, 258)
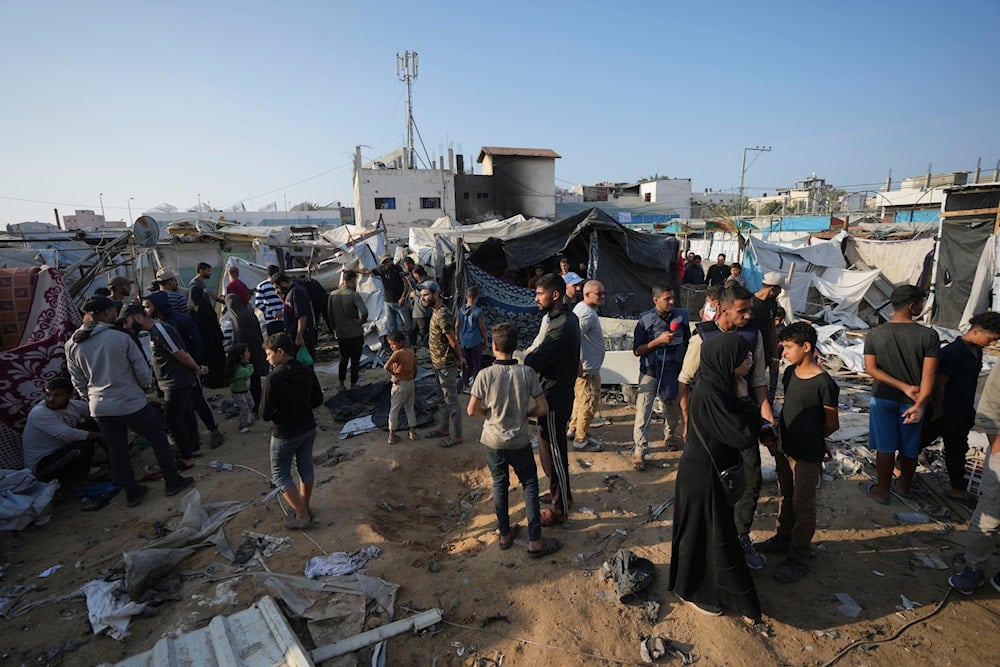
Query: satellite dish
point(145, 231)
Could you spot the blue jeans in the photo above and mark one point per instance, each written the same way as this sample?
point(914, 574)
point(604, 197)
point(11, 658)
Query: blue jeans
point(888, 433)
point(499, 461)
point(283, 450)
point(397, 318)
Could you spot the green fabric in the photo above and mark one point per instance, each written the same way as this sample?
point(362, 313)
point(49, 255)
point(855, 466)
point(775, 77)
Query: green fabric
point(241, 379)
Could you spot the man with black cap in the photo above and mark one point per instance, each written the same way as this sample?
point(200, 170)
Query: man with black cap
point(395, 294)
point(109, 371)
point(121, 289)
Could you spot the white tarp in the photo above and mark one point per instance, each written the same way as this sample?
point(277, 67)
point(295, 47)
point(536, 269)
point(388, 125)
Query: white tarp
point(979, 297)
point(422, 239)
point(901, 262)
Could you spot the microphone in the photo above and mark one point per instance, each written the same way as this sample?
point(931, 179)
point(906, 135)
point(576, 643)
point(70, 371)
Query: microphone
point(675, 325)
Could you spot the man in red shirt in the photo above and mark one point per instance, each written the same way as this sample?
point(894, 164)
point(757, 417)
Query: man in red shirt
point(237, 286)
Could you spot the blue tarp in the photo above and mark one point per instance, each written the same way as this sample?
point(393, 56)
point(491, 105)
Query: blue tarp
point(800, 223)
point(930, 215)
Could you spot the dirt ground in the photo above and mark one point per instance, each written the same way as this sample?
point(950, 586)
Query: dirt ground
point(421, 503)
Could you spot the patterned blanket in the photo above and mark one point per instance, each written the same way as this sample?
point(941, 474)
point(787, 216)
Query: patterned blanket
point(48, 317)
point(503, 302)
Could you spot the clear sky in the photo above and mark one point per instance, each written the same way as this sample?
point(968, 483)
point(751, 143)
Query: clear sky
point(259, 102)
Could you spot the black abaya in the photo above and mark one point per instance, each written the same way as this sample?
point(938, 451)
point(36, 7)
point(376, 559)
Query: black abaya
point(707, 565)
point(203, 313)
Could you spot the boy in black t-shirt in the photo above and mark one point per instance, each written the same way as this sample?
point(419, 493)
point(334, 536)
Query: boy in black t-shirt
point(808, 415)
point(953, 403)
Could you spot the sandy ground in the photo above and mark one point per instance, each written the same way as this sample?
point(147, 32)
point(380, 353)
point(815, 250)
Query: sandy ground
point(413, 500)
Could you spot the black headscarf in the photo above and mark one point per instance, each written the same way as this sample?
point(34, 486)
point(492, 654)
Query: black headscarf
point(720, 355)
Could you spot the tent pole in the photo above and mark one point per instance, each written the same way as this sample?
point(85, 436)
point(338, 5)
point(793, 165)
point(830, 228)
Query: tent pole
point(931, 297)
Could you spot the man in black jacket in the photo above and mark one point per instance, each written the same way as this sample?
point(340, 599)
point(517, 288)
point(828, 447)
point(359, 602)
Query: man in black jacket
point(557, 360)
point(289, 395)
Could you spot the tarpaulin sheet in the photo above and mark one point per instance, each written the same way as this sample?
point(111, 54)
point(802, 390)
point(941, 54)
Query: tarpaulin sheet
point(901, 262)
point(958, 257)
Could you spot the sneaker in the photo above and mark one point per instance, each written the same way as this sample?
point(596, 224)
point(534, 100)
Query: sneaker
point(217, 439)
point(995, 581)
point(776, 544)
point(789, 571)
point(591, 444)
point(181, 484)
point(968, 580)
point(134, 499)
point(754, 560)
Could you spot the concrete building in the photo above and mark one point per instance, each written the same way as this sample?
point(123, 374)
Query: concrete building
point(401, 196)
point(667, 196)
point(524, 180)
point(86, 220)
point(810, 195)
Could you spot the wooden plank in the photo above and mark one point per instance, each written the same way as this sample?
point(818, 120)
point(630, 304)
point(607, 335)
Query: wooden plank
point(971, 211)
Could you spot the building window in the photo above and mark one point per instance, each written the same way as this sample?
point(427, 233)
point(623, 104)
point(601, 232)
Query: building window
point(465, 195)
point(482, 195)
point(430, 202)
point(385, 203)
point(648, 197)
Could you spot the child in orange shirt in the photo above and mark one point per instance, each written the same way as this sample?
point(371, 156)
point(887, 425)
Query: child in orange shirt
point(402, 365)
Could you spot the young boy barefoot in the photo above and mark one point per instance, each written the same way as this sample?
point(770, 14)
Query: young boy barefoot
point(502, 394)
point(402, 365)
point(808, 415)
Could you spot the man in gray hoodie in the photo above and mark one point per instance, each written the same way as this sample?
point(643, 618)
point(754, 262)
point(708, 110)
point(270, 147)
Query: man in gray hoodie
point(109, 371)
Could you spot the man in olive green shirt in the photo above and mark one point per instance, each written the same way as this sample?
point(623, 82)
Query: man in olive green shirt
point(347, 310)
point(447, 360)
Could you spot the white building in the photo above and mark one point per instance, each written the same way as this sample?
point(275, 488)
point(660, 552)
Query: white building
point(401, 196)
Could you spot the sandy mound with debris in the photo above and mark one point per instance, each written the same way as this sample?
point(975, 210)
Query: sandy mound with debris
point(430, 510)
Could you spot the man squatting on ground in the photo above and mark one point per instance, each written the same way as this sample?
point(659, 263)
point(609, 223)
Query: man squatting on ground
point(57, 443)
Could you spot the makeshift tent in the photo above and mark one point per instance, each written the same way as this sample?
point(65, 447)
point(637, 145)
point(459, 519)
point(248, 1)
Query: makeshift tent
point(627, 262)
point(38, 318)
point(966, 254)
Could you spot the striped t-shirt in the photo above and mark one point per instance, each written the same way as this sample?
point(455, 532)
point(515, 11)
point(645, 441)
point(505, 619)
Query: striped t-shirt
point(267, 301)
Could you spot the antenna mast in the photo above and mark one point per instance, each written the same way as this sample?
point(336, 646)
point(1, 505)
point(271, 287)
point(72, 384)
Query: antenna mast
point(407, 65)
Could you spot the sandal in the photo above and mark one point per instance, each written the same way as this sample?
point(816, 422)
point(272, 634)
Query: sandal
point(449, 442)
point(292, 522)
point(412, 435)
point(393, 439)
point(514, 530)
point(435, 434)
point(867, 487)
point(638, 463)
point(549, 546)
point(551, 518)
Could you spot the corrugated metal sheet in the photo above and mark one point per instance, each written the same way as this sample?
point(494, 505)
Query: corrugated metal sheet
point(255, 637)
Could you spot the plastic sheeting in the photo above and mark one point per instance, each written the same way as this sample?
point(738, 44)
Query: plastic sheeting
point(901, 262)
point(23, 498)
point(961, 248)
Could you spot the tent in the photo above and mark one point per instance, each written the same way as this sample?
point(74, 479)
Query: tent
point(38, 319)
point(965, 261)
point(628, 262)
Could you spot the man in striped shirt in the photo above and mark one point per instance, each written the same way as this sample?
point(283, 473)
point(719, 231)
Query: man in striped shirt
point(267, 301)
point(167, 280)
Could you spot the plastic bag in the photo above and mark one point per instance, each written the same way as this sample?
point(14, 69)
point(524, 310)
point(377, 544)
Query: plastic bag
point(303, 356)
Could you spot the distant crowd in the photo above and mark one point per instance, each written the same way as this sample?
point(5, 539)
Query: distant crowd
point(714, 377)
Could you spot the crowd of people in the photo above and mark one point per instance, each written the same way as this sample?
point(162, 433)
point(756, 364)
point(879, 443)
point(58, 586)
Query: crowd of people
point(714, 378)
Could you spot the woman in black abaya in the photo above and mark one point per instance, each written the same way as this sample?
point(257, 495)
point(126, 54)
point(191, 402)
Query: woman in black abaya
point(246, 329)
point(707, 566)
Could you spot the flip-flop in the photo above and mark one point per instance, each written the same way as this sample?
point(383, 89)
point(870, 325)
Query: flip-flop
point(550, 545)
point(412, 436)
point(866, 488)
point(551, 518)
point(514, 530)
point(292, 522)
point(392, 440)
point(449, 442)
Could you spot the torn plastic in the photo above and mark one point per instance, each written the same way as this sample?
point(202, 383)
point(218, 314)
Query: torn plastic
point(109, 608)
point(340, 562)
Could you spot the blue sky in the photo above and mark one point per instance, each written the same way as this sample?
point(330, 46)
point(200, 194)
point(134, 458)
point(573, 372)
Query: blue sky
point(264, 102)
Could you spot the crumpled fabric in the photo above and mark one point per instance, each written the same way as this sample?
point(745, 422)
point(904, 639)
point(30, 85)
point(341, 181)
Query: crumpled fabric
point(23, 498)
point(107, 611)
point(340, 562)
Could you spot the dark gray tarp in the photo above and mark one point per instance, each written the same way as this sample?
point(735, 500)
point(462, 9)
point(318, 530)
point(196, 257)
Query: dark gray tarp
point(627, 262)
point(961, 247)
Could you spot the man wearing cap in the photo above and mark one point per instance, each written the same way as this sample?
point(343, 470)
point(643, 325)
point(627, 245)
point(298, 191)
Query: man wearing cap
point(574, 288)
point(587, 391)
point(267, 301)
point(167, 281)
point(109, 371)
point(446, 357)
point(121, 289)
point(395, 293)
point(762, 312)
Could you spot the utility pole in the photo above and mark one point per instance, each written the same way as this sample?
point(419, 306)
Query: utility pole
point(407, 66)
point(743, 171)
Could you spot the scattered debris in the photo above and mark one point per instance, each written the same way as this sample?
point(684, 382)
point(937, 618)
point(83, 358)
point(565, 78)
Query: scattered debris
point(49, 571)
point(907, 603)
point(848, 607)
point(340, 562)
point(267, 545)
point(911, 517)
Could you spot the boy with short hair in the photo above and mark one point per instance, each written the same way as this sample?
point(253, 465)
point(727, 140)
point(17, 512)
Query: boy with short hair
point(502, 394)
point(808, 415)
point(402, 365)
point(471, 329)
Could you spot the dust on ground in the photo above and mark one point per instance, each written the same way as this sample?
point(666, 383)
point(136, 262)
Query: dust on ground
point(421, 503)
